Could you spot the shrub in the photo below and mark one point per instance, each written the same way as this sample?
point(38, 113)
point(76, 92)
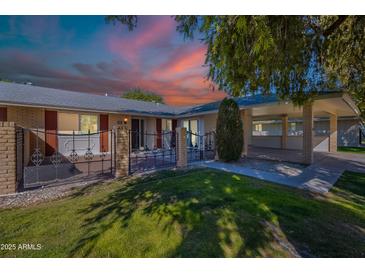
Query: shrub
point(229, 132)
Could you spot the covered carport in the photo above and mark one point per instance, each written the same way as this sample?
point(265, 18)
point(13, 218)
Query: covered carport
point(301, 147)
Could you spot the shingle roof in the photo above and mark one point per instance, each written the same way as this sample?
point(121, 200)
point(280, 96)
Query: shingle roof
point(23, 94)
point(257, 99)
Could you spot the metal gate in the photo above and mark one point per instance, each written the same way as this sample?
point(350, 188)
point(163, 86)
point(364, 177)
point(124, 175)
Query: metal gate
point(150, 151)
point(200, 147)
point(76, 157)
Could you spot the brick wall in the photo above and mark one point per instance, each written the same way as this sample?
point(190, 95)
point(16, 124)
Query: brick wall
point(7, 158)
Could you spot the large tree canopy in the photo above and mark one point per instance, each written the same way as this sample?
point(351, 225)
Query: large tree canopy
point(294, 56)
point(142, 95)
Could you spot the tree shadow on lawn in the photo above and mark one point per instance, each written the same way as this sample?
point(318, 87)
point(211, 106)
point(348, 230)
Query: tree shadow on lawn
point(217, 215)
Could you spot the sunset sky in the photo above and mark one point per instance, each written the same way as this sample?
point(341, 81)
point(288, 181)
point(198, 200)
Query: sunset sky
point(83, 53)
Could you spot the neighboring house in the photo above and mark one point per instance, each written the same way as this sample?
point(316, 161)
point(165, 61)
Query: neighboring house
point(267, 121)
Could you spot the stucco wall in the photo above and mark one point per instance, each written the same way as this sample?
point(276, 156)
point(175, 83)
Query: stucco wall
point(321, 143)
point(295, 142)
point(267, 141)
point(210, 122)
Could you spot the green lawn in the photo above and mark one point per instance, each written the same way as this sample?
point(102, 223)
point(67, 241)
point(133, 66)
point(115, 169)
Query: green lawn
point(351, 149)
point(197, 213)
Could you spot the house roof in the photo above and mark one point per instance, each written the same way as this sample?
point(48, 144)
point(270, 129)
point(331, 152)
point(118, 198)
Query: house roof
point(29, 95)
point(242, 102)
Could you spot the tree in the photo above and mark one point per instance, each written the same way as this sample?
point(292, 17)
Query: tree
point(142, 95)
point(293, 56)
point(229, 137)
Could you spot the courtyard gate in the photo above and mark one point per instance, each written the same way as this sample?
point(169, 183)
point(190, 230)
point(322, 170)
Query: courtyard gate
point(200, 147)
point(149, 151)
point(68, 157)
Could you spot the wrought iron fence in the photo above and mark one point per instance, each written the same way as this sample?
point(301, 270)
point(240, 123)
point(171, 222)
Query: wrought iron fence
point(200, 147)
point(362, 134)
point(19, 156)
point(73, 157)
point(150, 151)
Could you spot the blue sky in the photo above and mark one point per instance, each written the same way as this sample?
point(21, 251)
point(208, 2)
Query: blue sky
point(84, 53)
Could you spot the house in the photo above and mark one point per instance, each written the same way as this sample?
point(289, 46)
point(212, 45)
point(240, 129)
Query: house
point(267, 121)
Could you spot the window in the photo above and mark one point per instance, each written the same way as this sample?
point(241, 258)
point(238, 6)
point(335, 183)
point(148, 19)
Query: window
point(267, 128)
point(322, 128)
point(295, 128)
point(88, 122)
point(166, 124)
point(192, 127)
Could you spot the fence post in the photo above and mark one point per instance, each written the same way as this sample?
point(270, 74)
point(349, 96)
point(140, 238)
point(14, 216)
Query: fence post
point(7, 158)
point(182, 156)
point(122, 151)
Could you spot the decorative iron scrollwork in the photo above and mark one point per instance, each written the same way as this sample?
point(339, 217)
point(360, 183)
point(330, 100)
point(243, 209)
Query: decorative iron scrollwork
point(74, 157)
point(56, 159)
point(37, 157)
point(88, 155)
point(103, 155)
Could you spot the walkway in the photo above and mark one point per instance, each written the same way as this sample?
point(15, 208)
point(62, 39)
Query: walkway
point(318, 177)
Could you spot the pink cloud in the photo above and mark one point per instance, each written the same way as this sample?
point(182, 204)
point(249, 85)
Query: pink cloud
point(184, 61)
point(130, 48)
point(107, 77)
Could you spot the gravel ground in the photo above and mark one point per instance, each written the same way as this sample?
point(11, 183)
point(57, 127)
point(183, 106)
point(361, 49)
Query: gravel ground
point(39, 195)
point(54, 192)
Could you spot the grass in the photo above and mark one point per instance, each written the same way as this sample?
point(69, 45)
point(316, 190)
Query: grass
point(197, 213)
point(351, 149)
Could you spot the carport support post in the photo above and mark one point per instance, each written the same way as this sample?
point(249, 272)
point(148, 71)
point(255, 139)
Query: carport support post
point(122, 151)
point(333, 133)
point(182, 154)
point(308, 133)
point(247, 130)
point(8, 182)
point(284, 134)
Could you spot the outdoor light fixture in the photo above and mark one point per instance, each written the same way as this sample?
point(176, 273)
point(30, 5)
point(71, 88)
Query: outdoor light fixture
point(125, 120)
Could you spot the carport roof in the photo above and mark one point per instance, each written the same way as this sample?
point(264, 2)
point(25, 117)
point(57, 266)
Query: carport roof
point(29, 95)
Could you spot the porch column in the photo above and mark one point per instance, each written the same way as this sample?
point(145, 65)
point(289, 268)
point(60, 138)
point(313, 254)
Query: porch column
point(122, 151)
point(182, 154)
point(333, 133)
point(247, 130)
point(284, 134)
point(308, 133)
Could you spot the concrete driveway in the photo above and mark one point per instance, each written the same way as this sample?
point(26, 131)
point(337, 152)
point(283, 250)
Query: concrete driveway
point(318, 177)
